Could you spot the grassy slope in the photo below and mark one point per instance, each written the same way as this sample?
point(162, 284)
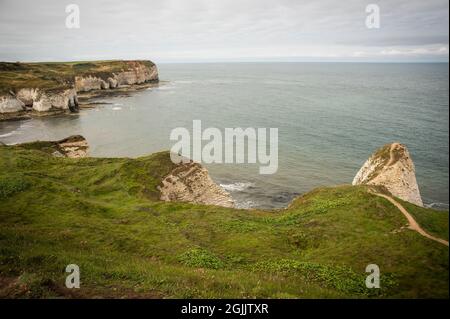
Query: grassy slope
point(434, 221)
point(103, 214)
point(54, 75)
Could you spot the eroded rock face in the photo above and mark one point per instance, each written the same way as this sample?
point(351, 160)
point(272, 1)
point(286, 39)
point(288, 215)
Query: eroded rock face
point(28, 96)
point(392, 167)
point(62, 100)
point(74, 146)
point(191, 183)
point(137, 73)
point(41, 100)
point(10, 104)
point(89, 83)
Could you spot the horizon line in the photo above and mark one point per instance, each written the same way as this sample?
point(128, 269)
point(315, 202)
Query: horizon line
point(238, 61)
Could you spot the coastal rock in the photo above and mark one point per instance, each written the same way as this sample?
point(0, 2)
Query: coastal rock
point(28, 96)
point(89, 83)
point(137, 73)
point(191, 183)
point(60, 100)
point(10, 104)
point(63, 94)
point(74, 146)
point(392, 167)
point(112, 83)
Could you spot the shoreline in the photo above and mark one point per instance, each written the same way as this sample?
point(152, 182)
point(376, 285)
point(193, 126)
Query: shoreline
point(40, 89)
point(244, 196)
point(86, 100)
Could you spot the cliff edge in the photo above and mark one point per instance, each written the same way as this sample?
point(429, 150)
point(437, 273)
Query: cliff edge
point(184, 182)
point(53, 87)
point(75, 146)
point(192, 183)
point(109, 209)
point(392, 167)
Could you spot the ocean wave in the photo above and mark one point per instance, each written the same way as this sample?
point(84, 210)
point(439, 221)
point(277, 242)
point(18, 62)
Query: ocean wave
point(17, 130)
point(245, 204)
point(237, 187)
point(117, 108)
point(437, 205)
point(25, 125)
point(164, 88)
point(6, 135)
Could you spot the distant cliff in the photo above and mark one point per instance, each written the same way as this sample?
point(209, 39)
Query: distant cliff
point(49, 87)
point(392, 167)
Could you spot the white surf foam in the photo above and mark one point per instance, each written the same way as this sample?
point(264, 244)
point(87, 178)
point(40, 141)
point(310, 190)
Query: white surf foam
point(245, 205)
point(437, 205)
point(7, 134)
point(237, 187)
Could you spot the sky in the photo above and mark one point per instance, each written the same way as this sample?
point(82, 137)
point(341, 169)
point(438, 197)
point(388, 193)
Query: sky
point(225, 30)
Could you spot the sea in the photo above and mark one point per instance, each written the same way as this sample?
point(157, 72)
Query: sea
point(330, 118)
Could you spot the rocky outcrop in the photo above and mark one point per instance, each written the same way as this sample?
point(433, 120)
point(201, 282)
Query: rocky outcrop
point(191, 182)
point(103, 76)
point(45, 101)
point(9, 104)
point(39, 101)
point(392, 167)
point(74, 146)
point(137, 73)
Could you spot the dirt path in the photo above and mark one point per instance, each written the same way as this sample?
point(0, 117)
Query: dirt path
point(413, 225)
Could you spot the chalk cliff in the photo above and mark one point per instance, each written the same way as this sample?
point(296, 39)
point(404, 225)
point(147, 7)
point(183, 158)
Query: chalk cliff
point(53, 87)
point(392, 167)
point(191, 182)
point(136, 73)
point(40, 100)
point(9, 104)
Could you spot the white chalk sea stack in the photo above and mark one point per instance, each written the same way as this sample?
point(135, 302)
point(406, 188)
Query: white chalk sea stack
point(392, 167)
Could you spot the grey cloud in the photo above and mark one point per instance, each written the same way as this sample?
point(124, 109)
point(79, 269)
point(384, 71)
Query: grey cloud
point(185, 30)
point(387, 40)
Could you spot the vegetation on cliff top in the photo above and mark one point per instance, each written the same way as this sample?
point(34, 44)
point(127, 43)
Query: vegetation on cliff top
point(55, 75)
point(104, 215)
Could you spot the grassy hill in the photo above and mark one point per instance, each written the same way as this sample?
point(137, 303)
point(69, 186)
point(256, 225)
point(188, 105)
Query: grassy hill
point(104, 215)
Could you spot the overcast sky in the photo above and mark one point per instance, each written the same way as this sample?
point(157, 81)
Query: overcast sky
point(224, 30)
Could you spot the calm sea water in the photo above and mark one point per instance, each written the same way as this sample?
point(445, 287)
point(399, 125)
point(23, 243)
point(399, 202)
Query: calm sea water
point(331, 117)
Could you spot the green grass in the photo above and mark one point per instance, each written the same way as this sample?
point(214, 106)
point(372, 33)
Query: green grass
point(55, 75)
point(12, 184)
point(434, 221)
point(200, 258)
point(104, 215)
